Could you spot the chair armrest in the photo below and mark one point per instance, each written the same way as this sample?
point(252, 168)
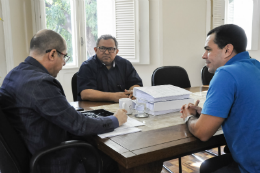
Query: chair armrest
point(67, 144)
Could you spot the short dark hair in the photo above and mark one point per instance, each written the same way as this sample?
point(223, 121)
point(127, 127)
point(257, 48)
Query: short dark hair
point(230, 34)
point(47, 39)
point(106, 37)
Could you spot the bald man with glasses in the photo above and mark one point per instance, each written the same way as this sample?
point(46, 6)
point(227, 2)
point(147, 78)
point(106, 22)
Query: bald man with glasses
point(107, 76)
point(37, 108)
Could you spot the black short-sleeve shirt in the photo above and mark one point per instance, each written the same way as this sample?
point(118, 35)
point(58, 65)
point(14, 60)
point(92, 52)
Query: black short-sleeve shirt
point(93, 74)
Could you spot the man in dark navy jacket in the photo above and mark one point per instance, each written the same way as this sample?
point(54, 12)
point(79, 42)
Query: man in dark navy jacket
point(37, 107)
point(106, 76)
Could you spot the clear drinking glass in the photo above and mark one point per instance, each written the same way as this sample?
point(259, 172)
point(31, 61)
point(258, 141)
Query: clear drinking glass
point(140, 108)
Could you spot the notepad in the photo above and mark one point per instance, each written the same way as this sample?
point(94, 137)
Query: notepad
point(161, 93)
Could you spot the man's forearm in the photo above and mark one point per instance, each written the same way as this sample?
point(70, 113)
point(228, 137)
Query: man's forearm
point(205, 126)
point(94, 95)
point(132, 87)
point(191, 124)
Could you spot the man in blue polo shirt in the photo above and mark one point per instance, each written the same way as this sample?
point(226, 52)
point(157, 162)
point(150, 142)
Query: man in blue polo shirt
point(232, 100)
point(106, 76)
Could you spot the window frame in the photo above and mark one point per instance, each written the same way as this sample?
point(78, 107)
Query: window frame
point(79, 30)
point(255, 22)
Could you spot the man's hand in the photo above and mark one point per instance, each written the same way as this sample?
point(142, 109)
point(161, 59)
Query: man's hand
point(196, 107)
point(119, 95)
point(203, 127)
point(121, 116)
point(130, 94)
point(190, 109)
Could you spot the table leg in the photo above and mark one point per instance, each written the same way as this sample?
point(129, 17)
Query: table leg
point(154, 167)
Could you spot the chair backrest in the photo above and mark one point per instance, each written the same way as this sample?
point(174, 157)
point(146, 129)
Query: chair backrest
point(14, 155)
point(173, 75)
point(206, 76)
point(74, 86)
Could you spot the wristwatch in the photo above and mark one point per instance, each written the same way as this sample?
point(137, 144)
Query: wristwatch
point(187, 118)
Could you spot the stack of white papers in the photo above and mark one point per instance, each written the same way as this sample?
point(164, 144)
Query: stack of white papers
point(161, 93)
point(166, 105)
point(162, 99)
point(128, 127)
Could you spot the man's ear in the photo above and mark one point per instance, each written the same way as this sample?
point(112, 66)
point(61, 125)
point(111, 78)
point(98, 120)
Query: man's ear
point(51, 55)
point(117, 51)
point(95, 48)
point(229, 48)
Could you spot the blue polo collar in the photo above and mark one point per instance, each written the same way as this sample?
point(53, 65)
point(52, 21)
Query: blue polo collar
point(238, 57)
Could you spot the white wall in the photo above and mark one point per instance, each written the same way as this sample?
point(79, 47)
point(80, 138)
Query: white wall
point(21, 26)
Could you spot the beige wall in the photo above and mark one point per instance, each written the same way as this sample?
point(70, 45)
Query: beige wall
point(21, 26)
point(184, 28)
point(177, 36)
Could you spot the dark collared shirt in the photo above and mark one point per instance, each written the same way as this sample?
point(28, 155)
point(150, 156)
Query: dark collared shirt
point(93, 74)
point(36, 106)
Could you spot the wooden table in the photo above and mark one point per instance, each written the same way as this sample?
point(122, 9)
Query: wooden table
point(145, 152)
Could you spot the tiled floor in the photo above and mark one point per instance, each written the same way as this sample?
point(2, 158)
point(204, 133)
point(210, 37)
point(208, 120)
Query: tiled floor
point(190, 163)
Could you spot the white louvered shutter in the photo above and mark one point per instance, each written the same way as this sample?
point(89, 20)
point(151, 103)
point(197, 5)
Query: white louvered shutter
point(123, 19)
point(218, 17)
point(125, 24)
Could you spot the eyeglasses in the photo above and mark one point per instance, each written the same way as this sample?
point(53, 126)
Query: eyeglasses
point(104, 49)
point(66, 57)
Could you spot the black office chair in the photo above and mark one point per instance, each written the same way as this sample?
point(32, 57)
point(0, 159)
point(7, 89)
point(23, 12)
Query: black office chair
point(74, 86)
point(215, 163)
point(173, 75)
point(206, 76)
point(15, 157)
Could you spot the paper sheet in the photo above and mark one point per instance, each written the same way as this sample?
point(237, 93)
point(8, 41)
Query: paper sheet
point(117, 132)
point(131, 123)
point(128, 127)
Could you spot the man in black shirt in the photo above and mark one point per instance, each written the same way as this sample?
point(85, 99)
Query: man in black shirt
point(106, 76)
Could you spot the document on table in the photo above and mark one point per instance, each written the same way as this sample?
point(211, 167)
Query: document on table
point(128, 127)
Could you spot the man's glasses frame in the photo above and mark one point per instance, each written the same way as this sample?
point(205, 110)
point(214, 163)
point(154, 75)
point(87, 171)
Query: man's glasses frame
point(104, 49)
point(66, 57)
